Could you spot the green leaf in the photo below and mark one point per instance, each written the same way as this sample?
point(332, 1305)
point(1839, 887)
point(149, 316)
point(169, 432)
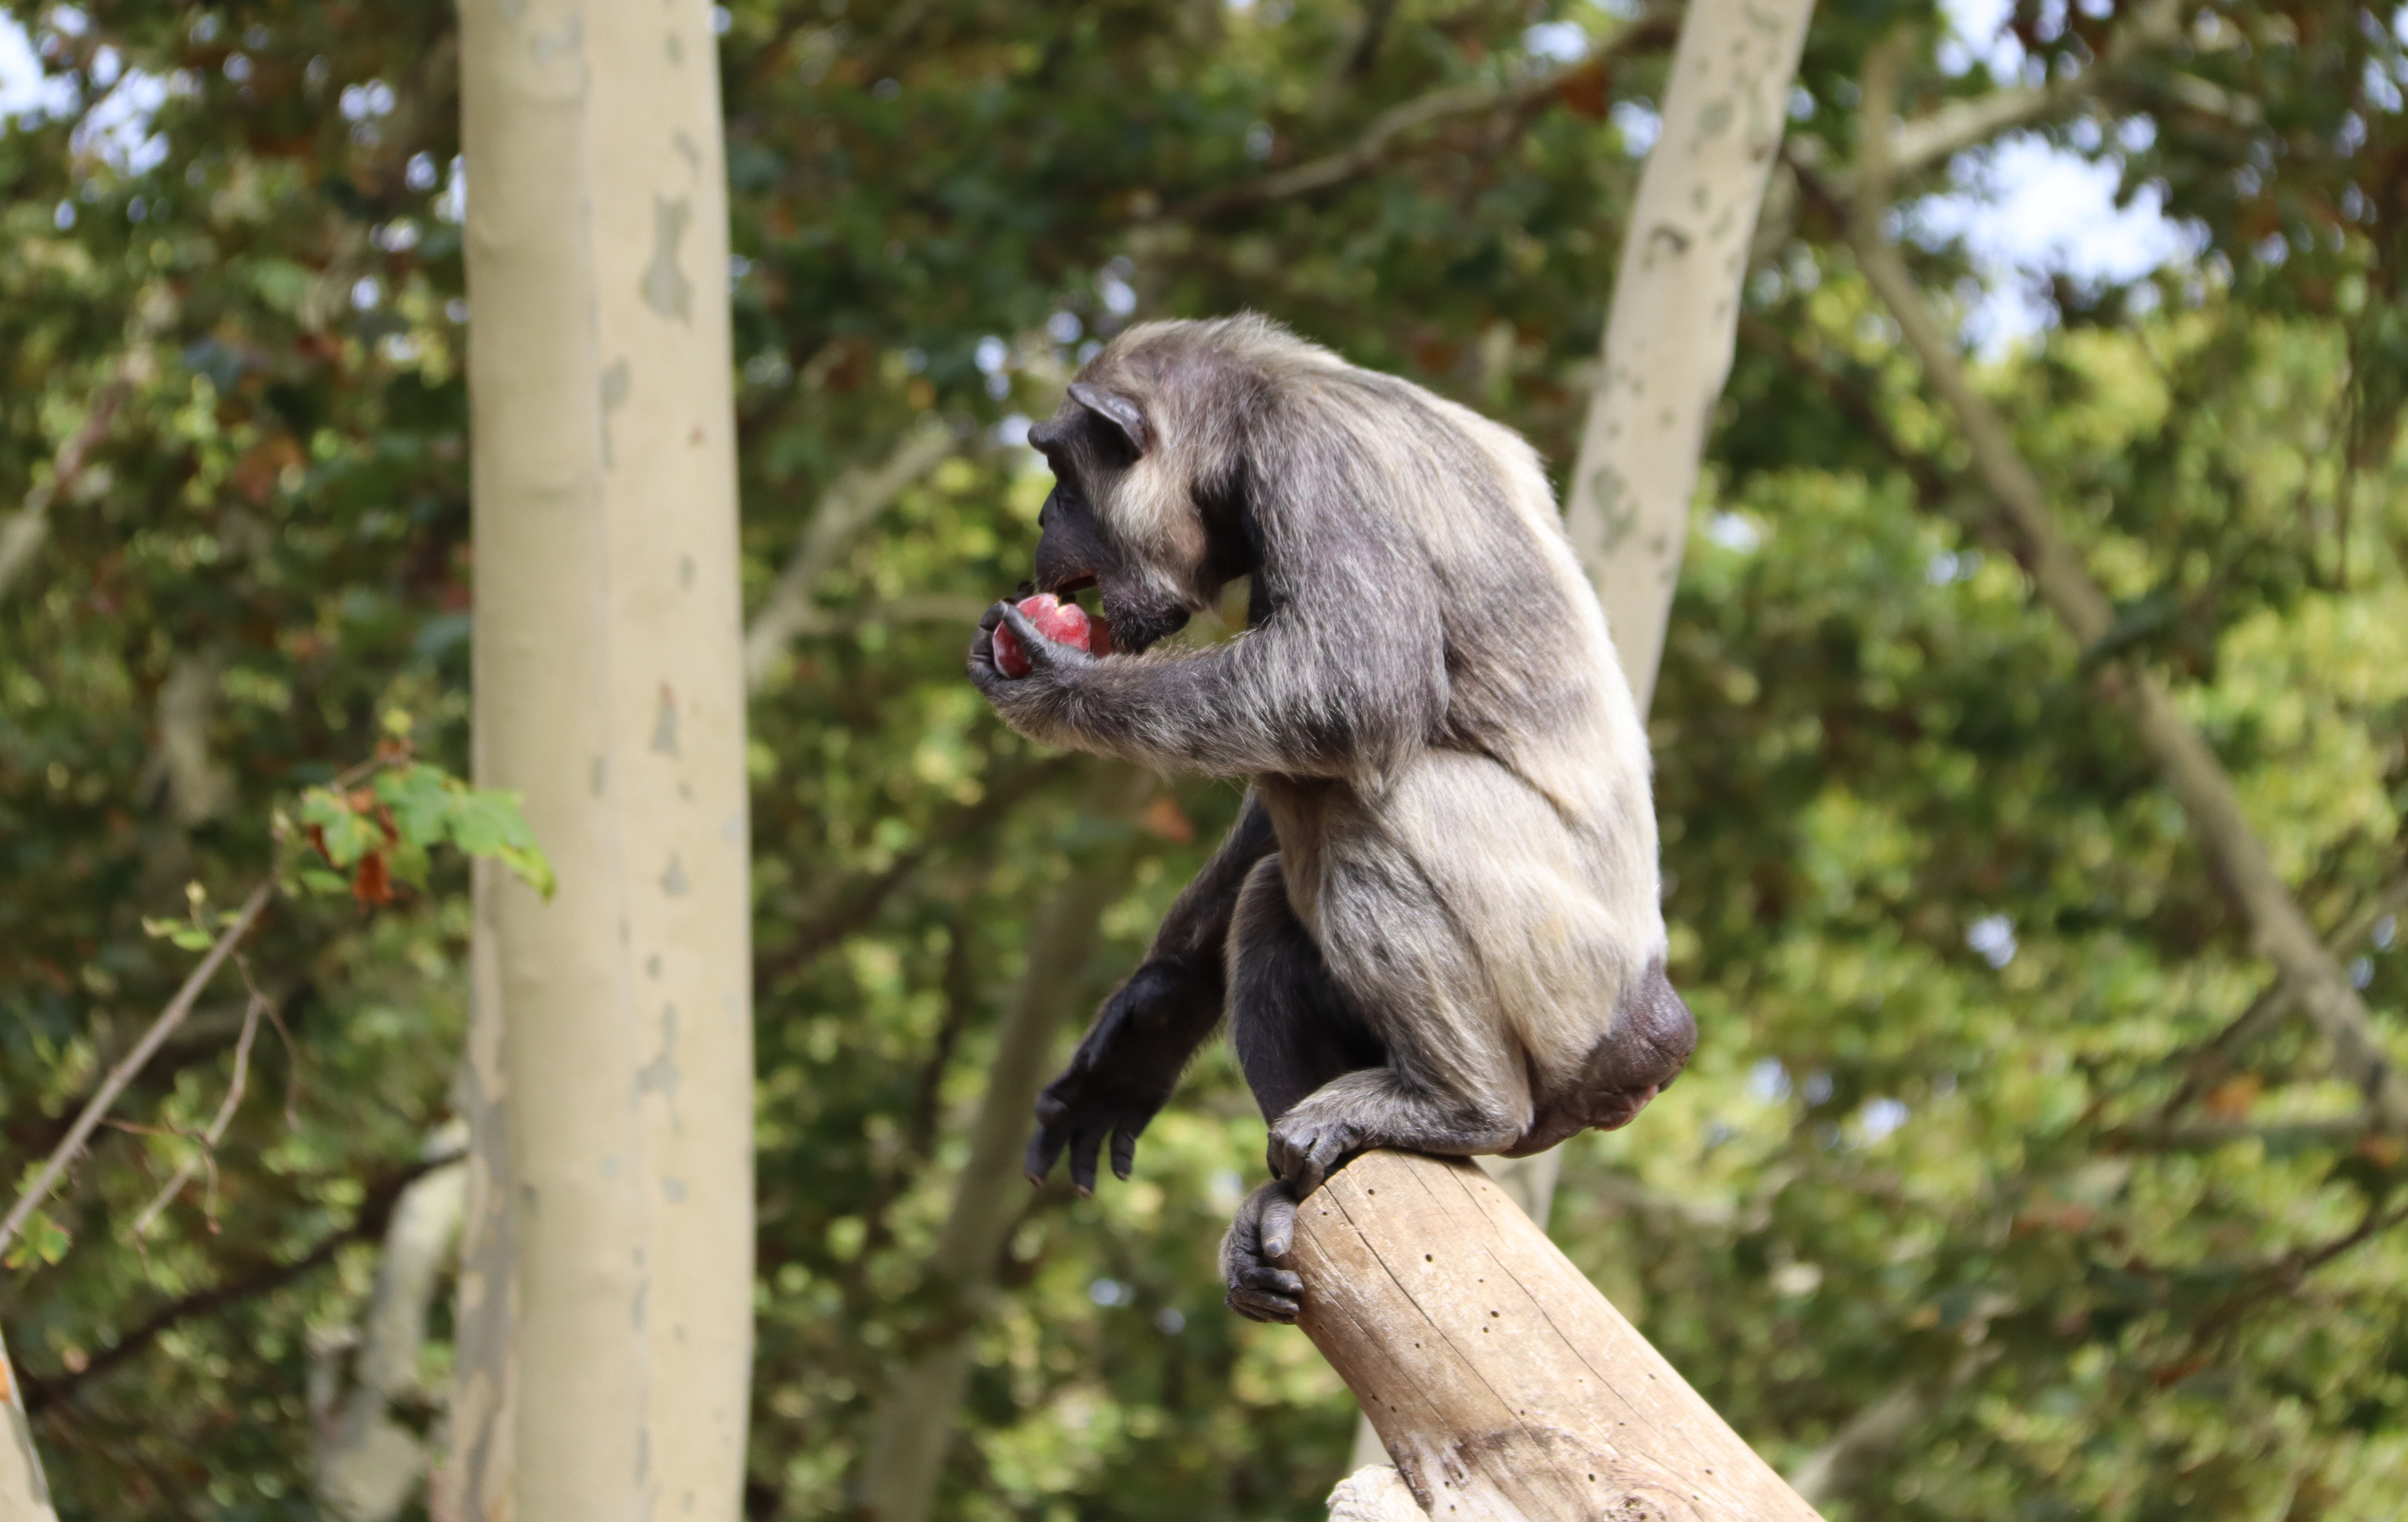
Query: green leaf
point(487, 822)
point(42, 1238)
point(531, 866)
point(281, 283)
point(319, 880)
point(423, 800)
point(347, 835)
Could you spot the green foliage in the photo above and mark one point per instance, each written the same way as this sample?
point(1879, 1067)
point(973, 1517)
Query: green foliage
point(1959, 1121)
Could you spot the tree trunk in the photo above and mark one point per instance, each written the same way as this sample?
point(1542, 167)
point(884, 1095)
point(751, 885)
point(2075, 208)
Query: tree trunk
point(669, 489)
point(368, 1464)
point(24, 1495)
point(1501, 1381)
point(1676, 295)
point(605, 1280)
point(914, 1422)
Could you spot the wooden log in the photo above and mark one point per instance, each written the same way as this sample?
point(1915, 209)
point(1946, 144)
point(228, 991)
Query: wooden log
point(1503, 1385)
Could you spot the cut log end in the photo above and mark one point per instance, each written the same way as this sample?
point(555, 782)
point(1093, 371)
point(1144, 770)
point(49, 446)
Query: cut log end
point(1503, 1385)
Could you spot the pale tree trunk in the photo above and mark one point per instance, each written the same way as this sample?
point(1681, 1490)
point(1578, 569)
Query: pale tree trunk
point(913, 1425)
point(1666, 352)
point(368, 1465)
point(1676, 297)
point(678, 693)
point(24, 1495)
point(605, 1280)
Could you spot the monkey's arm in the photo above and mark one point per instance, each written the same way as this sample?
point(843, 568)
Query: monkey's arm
point(1126, 1068)
point(1335, 686)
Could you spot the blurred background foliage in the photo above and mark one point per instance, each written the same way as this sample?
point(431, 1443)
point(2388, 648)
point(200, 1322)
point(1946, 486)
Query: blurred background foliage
point(1969, 1139)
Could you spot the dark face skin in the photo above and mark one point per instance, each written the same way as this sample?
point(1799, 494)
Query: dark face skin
point(1076, 550)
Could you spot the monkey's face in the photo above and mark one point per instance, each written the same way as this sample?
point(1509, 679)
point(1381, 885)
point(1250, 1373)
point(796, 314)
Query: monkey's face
point(1122, 518)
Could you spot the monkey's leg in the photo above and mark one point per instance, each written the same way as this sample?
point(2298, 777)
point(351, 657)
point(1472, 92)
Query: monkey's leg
point(1292, 1025)
point(1294, 1033)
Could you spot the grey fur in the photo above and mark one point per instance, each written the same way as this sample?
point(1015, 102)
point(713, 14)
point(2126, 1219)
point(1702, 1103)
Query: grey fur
point(1457, 889)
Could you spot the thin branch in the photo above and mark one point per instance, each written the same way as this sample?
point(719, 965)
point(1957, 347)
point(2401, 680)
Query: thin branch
point(25, 529)
point(2238, 859)
point(1489, 97)
point(1847, 1458)
point(118, 1077)
point(845, 510)
point(23, 533)
point(2208, 1136)
point(376, 1210)
point(838, 912)
point(1915, 146)
point(210, 1138)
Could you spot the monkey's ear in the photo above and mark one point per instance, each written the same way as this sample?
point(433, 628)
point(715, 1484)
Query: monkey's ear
point(1113, 408)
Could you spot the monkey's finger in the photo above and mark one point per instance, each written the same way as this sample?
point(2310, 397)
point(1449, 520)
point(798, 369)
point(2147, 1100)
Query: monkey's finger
point(1084, 1146)
point(1124, 1150)
point(1043, 1150)
point(1278, 1225)
point(1257, 1305)
point(991, 616)
point(1040, 651)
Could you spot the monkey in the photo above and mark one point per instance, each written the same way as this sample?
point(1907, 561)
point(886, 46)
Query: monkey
point(1435, 924)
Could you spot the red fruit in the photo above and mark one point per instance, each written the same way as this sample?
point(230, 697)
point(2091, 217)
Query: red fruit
point(1064, 623)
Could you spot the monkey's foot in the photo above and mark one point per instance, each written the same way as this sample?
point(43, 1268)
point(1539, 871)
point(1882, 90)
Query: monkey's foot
point(1259, 1238)
point(1307, 1147)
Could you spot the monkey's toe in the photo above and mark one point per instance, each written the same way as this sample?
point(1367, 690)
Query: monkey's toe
point(1263, 1233)
point(1257, 1305)
point(1261, 1292)
point(1305, 1152)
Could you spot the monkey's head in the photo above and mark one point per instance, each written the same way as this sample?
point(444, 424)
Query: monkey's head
point(1148, 459)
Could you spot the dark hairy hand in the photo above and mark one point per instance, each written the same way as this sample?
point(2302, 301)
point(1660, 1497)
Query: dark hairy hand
point(1124, 1071)
point(1052, 666)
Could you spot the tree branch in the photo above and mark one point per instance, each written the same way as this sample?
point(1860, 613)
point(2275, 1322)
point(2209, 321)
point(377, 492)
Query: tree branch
point(913, 1422)
point(845, 510)
point(838, 912)
point(2238, 859)
point(1487, 97)
point(122, 1074)
point(376, 1209)
point(23, 533)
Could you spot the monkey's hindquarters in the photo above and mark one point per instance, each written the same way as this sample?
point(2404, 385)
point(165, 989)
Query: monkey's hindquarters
point(1504, 1386)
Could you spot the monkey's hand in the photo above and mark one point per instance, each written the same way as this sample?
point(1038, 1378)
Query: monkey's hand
point(1039, 703)
point(1124, 1070)
point(1259, 1238)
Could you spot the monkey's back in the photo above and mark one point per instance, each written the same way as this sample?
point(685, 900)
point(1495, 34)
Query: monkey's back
point(1505, 878)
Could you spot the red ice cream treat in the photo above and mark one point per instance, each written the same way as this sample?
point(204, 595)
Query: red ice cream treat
point(1064, 623)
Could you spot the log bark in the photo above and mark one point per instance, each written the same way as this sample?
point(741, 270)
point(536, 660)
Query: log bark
point(1504, 1385)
